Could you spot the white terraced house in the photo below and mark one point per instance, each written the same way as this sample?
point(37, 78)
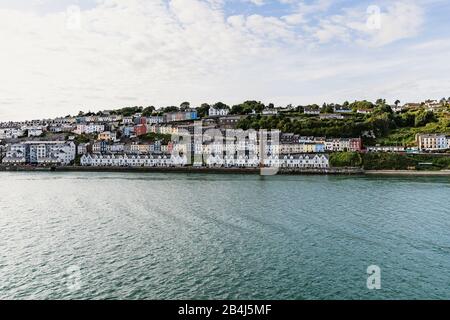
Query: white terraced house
point(307, 161)
point(127, 160)
point(89, 128)
point(232, 161)
point(432, 142)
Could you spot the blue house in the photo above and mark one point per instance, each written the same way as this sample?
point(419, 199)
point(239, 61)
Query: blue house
point(319, 147)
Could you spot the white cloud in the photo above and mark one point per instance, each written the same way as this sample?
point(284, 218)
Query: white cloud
point(257, 2)
point(140, 52)
point(397, 21)
point(401, 20)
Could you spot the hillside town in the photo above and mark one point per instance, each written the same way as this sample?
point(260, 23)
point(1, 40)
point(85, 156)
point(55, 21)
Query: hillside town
point(147, 137)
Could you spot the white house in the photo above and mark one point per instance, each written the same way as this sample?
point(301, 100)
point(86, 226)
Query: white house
point(270, 111)
point(10, 133)
point(89, 128)
point(304, 161)
point(34, 131)
point(432, 142)
point(386, 149)
point(82, 148)
point(216, 112)
point(311, 111)
point(127, 120)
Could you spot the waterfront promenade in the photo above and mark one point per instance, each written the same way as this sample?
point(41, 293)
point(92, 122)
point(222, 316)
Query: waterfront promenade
point(310, 171)
point(285, 171)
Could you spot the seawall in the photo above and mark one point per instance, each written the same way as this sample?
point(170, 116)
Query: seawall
point(328, 171)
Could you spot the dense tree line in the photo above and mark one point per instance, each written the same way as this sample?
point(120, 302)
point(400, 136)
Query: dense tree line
point(380, 123)
point(345, 159)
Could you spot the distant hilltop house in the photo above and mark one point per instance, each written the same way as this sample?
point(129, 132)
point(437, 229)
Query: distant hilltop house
point(396, 107)
point(412, 105)
point(268, 111)
point(433, 142)
point(332, 116)
point(311, 111)
point(339, 109)
point(218, 112)
point(364, 111)
point(433, 105)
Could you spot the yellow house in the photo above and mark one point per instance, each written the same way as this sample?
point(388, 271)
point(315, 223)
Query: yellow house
point(105, 136)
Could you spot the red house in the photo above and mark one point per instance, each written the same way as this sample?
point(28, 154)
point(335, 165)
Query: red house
point(140, 129)
point(143, 120)
point(356, 144)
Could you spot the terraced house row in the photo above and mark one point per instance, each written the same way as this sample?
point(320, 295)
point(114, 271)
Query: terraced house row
point(433, 142)
point(307, 161)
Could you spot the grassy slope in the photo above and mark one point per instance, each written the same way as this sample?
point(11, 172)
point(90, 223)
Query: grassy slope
point(406, 136)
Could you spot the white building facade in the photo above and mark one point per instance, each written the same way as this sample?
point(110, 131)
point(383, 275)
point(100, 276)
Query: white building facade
point(133, 160)
point(41, 153)
point(216, 112)
point(89, 128)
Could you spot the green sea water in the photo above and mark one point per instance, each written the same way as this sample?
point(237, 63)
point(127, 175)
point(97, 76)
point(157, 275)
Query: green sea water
point(199, 236)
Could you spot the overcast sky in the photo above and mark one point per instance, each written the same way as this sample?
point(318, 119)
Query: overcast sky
point(59, 56)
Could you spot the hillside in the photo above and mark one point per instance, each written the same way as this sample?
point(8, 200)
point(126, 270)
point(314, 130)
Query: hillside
point(381, 125)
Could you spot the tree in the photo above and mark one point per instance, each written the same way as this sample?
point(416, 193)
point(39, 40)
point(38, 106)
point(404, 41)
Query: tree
point(327, 108)
point(171, 109)
point(423, 118)
point(380, 102)
point(248, 107)
point(346, 159)
point(185, 106)
point(202, 111)
point(221, 105)
point(148, 111)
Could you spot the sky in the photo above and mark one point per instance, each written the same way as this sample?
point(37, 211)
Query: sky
point(58, 57)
